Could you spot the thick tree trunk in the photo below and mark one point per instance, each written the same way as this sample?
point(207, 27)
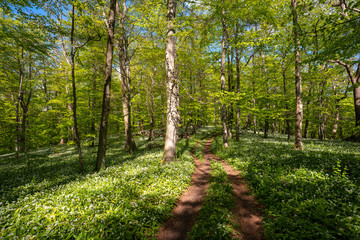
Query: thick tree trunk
point(100, 160)
point(223, 107)
point(172, 86)
point(299, 100)
point(74, 105)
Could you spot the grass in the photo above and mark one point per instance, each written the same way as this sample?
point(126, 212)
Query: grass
point(43, 196)
point(313, 194)
point(215, 220)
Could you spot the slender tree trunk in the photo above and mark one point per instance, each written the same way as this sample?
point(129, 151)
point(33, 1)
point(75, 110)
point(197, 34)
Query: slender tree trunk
point(286, 104)
point(356, 93)
point(93, 106)
point(237, 57)
point(299, 100)
point(151, 107)
point(125, 81)
point(18, 103)
point(172, 85)
point(266, 127)
point(322, 116)
point(223, 107)
point(74, 105)
point(100, 160)
point(230, 88)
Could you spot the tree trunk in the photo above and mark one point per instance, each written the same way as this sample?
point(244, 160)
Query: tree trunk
point(322, 116)
point(223, 107)
point(125, 82)
point(266, 127)
point(230, 107)
point(93, 106)
point(356, 92)
point(18, 104)
point(172, 92)
point(151, 107)
point(299, 100)
point(74, 105)
point(100, 160)
point(286, 104)
point(237, 57)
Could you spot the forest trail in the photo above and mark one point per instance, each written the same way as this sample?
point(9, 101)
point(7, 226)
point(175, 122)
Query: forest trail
point(246, 210)
point(183, 216)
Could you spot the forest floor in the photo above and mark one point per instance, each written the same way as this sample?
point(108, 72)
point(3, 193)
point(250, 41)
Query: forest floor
point(310, 194)
point(246, 209)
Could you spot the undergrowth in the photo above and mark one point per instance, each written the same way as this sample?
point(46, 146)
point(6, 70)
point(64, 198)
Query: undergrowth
point(43, 196)
point(310, 194)
point(215, 220)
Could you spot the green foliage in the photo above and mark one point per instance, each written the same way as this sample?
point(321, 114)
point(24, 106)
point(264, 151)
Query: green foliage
point(314, 194)
point(130, 199)
point(215, 220)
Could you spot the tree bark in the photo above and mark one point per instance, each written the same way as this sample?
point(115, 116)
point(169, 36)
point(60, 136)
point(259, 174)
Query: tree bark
point(222, 79)
point(230, 88)
point(172, 91)
point(287, 120)
point(125, 81)
point(237, 58)
point(74, 105)
point(151, 107)
point(100, 160)
point(266, 127)
point(299, 99)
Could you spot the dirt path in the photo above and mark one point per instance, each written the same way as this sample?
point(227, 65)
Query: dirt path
point(183, 215)
point(247, 209)
point(190, 202)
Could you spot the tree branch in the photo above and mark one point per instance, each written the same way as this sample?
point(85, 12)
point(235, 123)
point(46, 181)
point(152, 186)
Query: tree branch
point(348, 69)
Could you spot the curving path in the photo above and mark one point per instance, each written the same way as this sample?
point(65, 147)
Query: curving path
point(247, 210)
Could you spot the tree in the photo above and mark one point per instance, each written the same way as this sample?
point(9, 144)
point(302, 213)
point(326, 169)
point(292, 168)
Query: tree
point(222, 79)
point(125, 79)
point(172, 86)
point(110, 23)
point(298, 85)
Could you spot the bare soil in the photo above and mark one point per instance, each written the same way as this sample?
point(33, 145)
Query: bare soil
point(247, 210)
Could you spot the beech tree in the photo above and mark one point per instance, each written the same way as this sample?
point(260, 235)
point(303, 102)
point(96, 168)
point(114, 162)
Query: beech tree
point(172, 86)
point(110, 24)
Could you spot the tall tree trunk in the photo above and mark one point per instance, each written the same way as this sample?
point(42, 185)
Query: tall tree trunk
point(18, 103)
point(286, 104)
point(74, 105)
point(299, 100)
point(93, 106)
point(222, 79)
point(100, 160)
point(230, 88)
point(172, 92)
point(322, 117)
point(307, 122)
point(151, 107)
point(125, 81)
point(237, 57)
point(266, 127)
